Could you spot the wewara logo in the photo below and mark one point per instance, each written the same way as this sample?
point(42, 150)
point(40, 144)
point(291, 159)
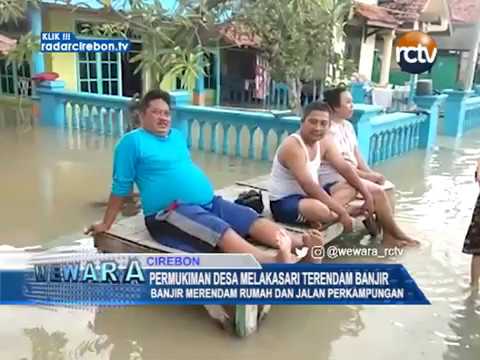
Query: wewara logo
point(416, 52)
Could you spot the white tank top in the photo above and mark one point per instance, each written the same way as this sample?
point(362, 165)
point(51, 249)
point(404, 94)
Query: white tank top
point(346, 140)
point(282, 182)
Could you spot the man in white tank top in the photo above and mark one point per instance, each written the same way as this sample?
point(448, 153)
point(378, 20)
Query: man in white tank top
point(295, 194)
point(343, 191)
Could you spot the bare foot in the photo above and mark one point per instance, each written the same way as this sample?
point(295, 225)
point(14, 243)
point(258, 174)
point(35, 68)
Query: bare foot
point(284, 245)
point(410, 241)
point(313, 240)
point(390, 241)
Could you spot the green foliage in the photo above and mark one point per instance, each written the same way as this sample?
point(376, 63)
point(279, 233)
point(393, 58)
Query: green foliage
point(298, 39)
point(173, 44)
point(13, 10)
point(26, 46)
point(105, 30)
point(172, 40)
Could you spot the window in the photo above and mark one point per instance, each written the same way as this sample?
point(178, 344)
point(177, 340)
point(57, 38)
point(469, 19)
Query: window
point(99, 73)
point(12, 75)
point(7, 80)
point(210, 80)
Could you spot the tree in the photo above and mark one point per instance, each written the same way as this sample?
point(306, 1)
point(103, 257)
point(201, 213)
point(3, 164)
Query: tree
point(172, 41)
point(298, 39)
point(11, 11)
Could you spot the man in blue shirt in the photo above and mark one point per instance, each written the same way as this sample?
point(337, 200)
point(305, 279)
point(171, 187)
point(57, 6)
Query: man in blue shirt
point(180, 207)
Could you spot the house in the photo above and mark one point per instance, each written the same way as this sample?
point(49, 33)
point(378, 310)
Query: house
point(100, 73)
point(97, 73)
point(463, 42)
point(368, 24)
point(375, 26)
point(452, 24)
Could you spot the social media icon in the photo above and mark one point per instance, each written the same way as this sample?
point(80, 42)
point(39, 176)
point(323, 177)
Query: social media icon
point(318, 252)
point(301, 253)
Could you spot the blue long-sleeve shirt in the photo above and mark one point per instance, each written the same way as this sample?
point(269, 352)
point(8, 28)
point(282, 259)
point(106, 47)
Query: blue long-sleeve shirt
point(162, 169)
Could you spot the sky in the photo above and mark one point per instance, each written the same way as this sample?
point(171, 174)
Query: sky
point(117, 4)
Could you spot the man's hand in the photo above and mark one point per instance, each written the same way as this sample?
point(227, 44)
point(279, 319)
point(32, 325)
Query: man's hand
point(346, 221)
point(377, 178)
point(369, 205)
point(97, 228)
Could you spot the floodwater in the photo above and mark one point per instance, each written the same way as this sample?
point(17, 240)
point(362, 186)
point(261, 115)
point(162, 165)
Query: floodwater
point(52, 180)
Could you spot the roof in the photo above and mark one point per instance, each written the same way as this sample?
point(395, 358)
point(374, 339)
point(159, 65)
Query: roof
point(238, 35)
point(376, 15)
point(6, 44)
point(405, 10)
point(464, 11)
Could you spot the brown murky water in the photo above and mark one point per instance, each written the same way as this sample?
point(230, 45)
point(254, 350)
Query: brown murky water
point(51, 179)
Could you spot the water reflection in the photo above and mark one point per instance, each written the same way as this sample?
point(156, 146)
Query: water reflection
point(465, 324)
point(45, 345)
point(286, 333)
point(52, 177)
point(52, 180)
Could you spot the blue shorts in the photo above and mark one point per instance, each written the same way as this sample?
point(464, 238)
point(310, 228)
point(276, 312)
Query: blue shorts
point(196, 228)
point(287, 210)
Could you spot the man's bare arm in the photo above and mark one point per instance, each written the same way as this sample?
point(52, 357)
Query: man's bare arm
point(292, 156)
point(362, 165)
point(114, 206)
point(364, 170)
point(334, 157)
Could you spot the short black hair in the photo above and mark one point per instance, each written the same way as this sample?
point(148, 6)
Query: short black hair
point(151, 96)
point(332, 96)
point(316, 106)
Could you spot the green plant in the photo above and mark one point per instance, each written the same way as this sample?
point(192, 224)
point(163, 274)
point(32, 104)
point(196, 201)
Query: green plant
point(172, 41)
point(299, 38)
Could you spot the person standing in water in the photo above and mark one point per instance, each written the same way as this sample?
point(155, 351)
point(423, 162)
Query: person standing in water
point(471, 244)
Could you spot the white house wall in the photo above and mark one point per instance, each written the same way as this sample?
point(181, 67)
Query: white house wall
point(462, 38)
point(367, 52)
point(367, 49)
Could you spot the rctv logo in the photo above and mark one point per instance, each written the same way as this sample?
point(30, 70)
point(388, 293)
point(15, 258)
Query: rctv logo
point(416, 52)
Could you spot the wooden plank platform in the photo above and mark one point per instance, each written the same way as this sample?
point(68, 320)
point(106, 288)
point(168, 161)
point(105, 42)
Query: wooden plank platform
point(130, 235)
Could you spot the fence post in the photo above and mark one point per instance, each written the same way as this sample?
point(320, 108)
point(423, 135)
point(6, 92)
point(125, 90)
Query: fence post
point(428, 128)
point(179, 119)
point(52, 103)
point(358, 92)
point(199, 90)
point(454, 120)
point(361, 117)
point(477, 89)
